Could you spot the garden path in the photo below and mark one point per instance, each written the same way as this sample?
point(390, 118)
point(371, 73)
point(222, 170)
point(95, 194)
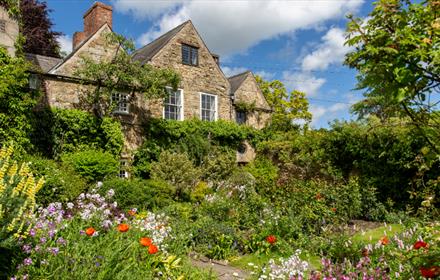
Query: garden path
point(223, 270)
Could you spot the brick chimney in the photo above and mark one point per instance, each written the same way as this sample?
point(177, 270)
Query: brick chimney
point(94, 18)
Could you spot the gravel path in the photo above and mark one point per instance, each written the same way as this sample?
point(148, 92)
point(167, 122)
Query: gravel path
point(223, 270)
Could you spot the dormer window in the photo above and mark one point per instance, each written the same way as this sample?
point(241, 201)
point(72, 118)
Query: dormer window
point(121, 104)
point(190, 55)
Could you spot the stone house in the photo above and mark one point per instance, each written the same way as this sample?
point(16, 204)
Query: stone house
point(204, 91)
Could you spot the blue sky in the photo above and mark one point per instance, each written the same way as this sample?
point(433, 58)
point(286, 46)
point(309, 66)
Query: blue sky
point(299, 42)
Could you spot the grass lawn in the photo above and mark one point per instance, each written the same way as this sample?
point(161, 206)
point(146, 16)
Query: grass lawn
point(369, 236)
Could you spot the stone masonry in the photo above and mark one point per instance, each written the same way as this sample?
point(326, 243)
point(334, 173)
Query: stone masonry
point(8, 31)
point(204, 78)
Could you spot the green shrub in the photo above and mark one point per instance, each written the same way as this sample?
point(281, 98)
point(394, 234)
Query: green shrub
point(140, 194)
point(62, 184)
point(193, 137)
point(93, 165)
point(58, 131)
point(200, 191)
point(265, 174)
point(178, 170)
point(219, 164)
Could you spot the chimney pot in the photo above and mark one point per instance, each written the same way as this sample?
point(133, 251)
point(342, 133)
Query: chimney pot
point(94, 18)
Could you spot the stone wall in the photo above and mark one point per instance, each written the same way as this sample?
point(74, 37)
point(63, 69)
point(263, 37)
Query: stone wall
point(250, 93)
point(206, 77)
point(8, 31)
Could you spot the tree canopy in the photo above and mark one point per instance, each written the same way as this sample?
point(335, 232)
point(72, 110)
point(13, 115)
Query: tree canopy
point(36, 27)
point(287, 108)
point(397, 56)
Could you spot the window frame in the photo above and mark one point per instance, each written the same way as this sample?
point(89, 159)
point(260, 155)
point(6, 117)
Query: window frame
point(123, 166)
point(191, 50)
point(215, 107)
point(237, 119)
point(117, 109)
point(182, 105)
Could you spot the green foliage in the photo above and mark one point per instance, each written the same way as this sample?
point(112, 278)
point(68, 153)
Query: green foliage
point(16, 100)
point(286, 107)
point(396, 53)
point(62, 184)
point(265, 174)
point(92, 165)
point(58, 131)
point(178, 170)
point(194, 137)
point(140, 194)
point(241, 106)
point(17, 195)
point(200, 191)
point(384, 157)
point(219, 164)
point(121, 73)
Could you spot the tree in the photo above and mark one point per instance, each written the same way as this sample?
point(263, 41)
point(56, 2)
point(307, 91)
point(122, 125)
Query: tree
point(397, 55)
point(287, 108)
point(121, 73)
point(16, 101)
point(36, 27)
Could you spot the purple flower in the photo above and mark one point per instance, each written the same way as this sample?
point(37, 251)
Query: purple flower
point(32, 232)
point(43, 239)
point(82, 232)
point(61, 241)
point(53, 250)
point(27, 248)
point(27, 261)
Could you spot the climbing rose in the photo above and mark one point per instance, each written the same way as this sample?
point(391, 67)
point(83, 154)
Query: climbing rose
point(271, 239)
point(152, 249)
point(123, 227)
point(90, 231)
point(420, 244)
point(146, 242)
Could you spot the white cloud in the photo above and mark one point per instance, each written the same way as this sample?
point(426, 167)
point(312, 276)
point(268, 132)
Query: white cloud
point(329, 112)
point(265, 75)
point(65, 43)
point(234, 26)
point(331, 51)
point(304, 82)
point(231, 71)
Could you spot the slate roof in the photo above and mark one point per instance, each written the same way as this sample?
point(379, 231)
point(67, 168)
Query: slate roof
point(42, 63)
point(236, 81)
point(147, 52)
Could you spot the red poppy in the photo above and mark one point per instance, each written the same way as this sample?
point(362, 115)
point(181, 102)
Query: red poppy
point(420, 244)
point(146, 242)
point(123, 227)
point(384, 240)
point(90, 231)
point(271, 239)
point(430, 272)
point(152, 249)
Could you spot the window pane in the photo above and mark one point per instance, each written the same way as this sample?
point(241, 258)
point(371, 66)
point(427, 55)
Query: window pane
point(194, 56)
point(208, 111)
point(173, 105)
point(186, 54)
